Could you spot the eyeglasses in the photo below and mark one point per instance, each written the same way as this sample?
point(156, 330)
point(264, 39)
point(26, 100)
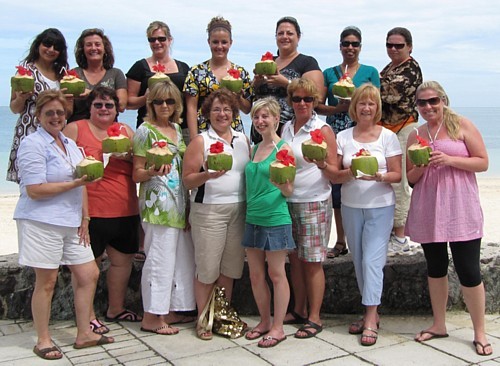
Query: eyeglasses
point(398, 46)
point(348, 43)
point(432, 101)
point(169, 101)
point(223, 110)
point(59, 113)
point(159, 39)
point(98, 105)
point(305, 99)
point(49, 43)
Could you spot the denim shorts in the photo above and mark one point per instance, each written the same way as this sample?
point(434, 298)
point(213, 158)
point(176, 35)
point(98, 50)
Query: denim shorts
point(269, 238)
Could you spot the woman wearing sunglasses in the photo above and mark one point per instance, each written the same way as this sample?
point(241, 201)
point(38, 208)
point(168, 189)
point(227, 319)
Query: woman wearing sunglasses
point(445, 208)
point(291, 65)
point(398, 83)
point(204, 78)
point(336, 110)
point(95, 59)
point(113, 205)
point(168, 272)
point(52, 221)
point(160, 41)
point(46, 59)
point(310, 207)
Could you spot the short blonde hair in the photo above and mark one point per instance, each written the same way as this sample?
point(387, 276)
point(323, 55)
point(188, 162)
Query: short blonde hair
point(157, 24)
point(366, 91)
point(48, 96)
point(271, 105)
point(163, 90)
point(305, 84)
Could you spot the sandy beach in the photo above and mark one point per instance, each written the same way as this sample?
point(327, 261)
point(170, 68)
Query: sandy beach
point(489, 191)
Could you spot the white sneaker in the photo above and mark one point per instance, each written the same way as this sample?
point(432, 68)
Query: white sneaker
point(398, 248)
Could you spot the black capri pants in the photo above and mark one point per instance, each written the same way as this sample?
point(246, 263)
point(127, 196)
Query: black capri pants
point(465, 256)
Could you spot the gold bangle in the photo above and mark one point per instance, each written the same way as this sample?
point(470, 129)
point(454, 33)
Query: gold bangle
point(86, 218)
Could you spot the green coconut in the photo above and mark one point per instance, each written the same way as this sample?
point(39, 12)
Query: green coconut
point(90, 167)
point(418, 154)
point(73, 85)
point(22, 83)
point(220, 161)
point(156, 78)
point(313, 150)
point(343, 88)
point(116, 144)
point(366, 164)
point(280, 173)
point(235, 85)
point(267, 67)
point(159, 156)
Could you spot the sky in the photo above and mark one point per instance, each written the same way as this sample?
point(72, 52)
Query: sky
point(456, 42)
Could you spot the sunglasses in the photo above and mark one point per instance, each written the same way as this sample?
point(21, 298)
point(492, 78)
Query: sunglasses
point(354, 44)
point(305, 99)
point(106, 105)
point(169, 101)
point(59, 113)
point(49, 43)
point(432, 101)
point(398, 46)
point(159, 39)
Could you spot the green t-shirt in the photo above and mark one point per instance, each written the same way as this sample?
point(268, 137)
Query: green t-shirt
point(266, 206)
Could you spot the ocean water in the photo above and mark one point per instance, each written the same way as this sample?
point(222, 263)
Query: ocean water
point(485, 118)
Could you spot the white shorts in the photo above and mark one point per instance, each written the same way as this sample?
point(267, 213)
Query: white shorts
point(48, 246)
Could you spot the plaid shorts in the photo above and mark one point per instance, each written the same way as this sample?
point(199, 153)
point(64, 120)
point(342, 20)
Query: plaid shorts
point(311, 226)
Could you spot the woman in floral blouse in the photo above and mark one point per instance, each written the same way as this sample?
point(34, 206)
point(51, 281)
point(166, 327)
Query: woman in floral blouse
point(204, 78)
point(168, 272)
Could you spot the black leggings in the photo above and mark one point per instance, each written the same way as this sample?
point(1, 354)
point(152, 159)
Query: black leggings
point(465, 257)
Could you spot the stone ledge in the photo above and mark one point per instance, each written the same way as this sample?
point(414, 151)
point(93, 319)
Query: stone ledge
point(405, 288)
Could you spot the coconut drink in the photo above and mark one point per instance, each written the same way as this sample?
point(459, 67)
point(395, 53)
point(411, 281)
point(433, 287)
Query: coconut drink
point(343, 88)
point(218, 159)
point(72, 83)
point(115, 143)
point(91, 167)
point(283, 168)
point(23, 81)
point(315, 147)
point(159, 155)
point(159, 75)
point(364, 162)
point(266, 66)
point(232, 81)
point(419, 152)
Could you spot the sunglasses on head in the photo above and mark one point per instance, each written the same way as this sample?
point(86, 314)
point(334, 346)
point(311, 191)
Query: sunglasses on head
point(49, 43)
point(431, 101)
point(159, 39)
point(59, 113)
point(169, 101)
point(398, 46)
point(354, 44)
point(300, 99)
point(99, 105)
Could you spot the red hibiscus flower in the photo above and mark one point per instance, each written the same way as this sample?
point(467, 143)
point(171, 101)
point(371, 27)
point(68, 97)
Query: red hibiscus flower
point(234, 73)
point(160, 144)
point(422, 141)
point(285, 159)
point(217, 148)
point(317, 136)
point(268, 56)
point(71, 73)
point(362, 152)
point(158, 68)
point(23, 71)
point(114, 129)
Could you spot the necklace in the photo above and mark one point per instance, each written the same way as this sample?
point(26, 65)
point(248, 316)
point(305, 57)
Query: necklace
point(436, 134)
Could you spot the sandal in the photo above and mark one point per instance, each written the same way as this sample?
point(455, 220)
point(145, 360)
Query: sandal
point(254, 334)
point(338, 250)
point(204, 334)
point(296, 318)
point(44, 353)
point(358, 326)
point(372, 337)
point(482, 347)
point(124, 316)
point(98, 327)
point(310, 328)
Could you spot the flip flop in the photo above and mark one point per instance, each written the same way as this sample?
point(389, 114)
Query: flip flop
point(483, 346)
point(259, 333)
point(432, 335)
point(306, 329)
point(98, 327)
point(44, 353)
point(157, 330)
point(184, 319)
point(336, 252)
point(274, 342)
point(297, 319)
point(373, 337)
point(357, 326)
point(101, 341)
point(124, 316)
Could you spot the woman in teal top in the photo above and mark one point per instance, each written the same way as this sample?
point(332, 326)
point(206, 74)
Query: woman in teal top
point(336, 110)
point(268, 230)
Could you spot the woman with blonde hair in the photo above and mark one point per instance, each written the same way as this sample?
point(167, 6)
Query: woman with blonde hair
point(445, 208)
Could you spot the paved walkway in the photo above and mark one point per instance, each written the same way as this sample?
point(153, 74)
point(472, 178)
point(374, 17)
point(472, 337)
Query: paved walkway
point(334, 346)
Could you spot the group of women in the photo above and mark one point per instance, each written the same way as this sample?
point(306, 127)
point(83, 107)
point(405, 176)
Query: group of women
point(197, 223)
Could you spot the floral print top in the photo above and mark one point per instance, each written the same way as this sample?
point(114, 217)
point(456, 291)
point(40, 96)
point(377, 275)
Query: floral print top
point(200, 82)
point(162, 199)
point(398, 87)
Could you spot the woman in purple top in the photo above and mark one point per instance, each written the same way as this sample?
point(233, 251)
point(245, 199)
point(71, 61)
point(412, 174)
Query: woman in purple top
point(445, 209)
